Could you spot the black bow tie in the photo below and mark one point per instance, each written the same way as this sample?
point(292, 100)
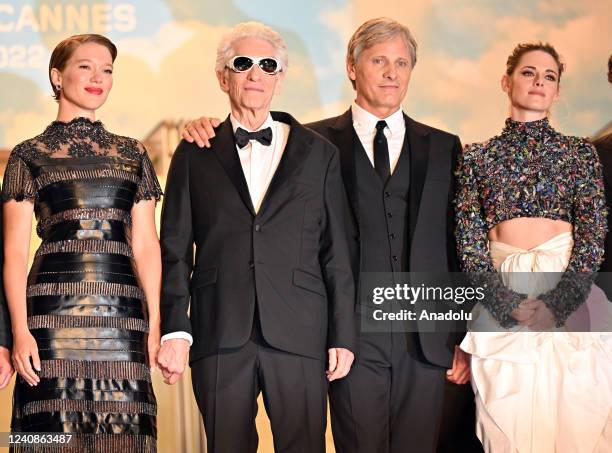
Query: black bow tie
point(263, 136)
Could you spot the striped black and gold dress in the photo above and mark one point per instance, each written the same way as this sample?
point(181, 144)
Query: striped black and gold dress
point(85, 306)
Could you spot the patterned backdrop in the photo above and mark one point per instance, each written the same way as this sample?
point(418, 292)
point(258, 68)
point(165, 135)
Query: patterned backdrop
point(164, 74)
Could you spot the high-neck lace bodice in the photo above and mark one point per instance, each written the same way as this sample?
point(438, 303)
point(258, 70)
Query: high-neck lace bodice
point(82, 156)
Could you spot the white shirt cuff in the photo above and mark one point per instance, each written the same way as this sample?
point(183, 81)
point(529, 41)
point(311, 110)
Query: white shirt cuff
point(180, 335)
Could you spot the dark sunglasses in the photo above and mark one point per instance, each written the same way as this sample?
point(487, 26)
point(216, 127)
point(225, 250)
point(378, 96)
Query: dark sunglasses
point(242, 63)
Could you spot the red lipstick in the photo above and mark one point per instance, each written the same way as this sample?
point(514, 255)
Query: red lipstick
point(94, 90)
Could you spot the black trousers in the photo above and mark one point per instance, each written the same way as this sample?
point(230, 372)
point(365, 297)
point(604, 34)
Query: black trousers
point(226, 386)
point(391, 401)
point(458, 421)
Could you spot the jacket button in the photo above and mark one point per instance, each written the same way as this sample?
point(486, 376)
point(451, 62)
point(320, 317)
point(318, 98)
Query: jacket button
point(387, 194)
point(394, 257)
point(392, 235)
point(251, 264)
point(258, 228)
point(389, 215)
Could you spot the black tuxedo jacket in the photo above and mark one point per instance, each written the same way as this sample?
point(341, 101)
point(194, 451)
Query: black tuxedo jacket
point(5, 319)
point(430, 218)
point(604, 150)
point(290, 260)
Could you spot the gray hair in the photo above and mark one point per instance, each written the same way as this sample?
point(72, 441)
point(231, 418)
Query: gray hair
point(225, 49)
point(376, 31)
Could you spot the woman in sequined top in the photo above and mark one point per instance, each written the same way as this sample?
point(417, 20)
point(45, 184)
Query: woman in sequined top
point(530, 205)
point(525, 186)
point(86, 319)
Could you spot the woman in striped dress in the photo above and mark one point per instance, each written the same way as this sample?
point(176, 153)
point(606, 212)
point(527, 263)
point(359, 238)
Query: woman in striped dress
point(86, 319)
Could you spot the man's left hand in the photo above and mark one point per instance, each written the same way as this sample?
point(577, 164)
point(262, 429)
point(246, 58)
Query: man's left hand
point(172, 359)
point(340, 361)
point(460, 372)
point(6, 367)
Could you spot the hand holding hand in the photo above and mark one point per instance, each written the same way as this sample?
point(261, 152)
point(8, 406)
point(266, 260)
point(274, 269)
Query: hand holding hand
point(543, 319)
point(172, 359)
point(526, 310)
point(153, 345)
point(6, 367)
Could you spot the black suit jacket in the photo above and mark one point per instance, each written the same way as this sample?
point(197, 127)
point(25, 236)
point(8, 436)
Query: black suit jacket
point(604, 150)
point(291, 259)
point(6, 337)
point(430, 222)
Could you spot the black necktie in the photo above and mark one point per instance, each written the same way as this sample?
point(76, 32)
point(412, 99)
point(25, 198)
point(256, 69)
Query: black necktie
point(381, 152)
point(263, 136)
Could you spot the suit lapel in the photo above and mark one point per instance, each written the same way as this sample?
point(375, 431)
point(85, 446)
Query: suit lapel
point(605, 158)
point(294, 155)
point(224, 147)
point(343, 136)
point(417, 139)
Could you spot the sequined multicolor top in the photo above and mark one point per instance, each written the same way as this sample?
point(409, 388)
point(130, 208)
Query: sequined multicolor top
point(531, 170)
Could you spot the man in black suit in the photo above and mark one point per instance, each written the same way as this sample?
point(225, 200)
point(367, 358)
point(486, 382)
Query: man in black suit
point(604, 150)
point(406, 391)
point(398, 175)
point(271, 287)
point(6, 367)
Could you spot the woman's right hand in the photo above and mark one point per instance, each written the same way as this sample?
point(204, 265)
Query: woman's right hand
point(525, 311)
point(200, 130)
point(24, 348)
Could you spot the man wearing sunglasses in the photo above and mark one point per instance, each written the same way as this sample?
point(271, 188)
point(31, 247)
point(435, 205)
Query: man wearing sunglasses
point(406, 391)
point(242, 63)
point(270, 292)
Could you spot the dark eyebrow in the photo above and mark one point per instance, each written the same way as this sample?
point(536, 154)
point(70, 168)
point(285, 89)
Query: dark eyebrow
point(535, 69)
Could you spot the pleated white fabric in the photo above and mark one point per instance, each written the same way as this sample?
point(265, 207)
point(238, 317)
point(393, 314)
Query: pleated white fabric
point(542, 392)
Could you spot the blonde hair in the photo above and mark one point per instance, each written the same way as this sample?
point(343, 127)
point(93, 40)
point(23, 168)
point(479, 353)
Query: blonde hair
point(64, 50)
point(376, 31)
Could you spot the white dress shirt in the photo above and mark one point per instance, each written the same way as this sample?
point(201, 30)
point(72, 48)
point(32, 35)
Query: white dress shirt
point(259, 163)
point(365, 126)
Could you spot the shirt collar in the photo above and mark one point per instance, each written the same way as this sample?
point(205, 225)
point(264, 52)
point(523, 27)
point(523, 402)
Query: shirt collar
point(269, 122)
point(364, 119)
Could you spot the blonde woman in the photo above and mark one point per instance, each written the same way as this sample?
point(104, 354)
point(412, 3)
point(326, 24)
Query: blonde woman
point(86, 320)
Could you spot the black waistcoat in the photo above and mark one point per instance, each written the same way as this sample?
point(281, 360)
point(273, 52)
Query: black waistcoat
point(383, 213)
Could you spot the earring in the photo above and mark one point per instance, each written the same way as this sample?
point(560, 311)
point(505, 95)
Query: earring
point(59, 87)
